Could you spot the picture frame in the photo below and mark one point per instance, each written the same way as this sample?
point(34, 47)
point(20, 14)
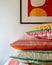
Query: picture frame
point(25, 19)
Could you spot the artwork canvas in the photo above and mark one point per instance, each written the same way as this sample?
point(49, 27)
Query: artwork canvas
point(36, 11)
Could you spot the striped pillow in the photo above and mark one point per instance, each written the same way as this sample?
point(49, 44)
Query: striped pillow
point(33, 56)
point(42, 31)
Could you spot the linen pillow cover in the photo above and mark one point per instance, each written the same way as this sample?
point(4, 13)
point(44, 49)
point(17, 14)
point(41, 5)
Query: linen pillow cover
point(36, 44)
point(41, 31)
point(33, 56)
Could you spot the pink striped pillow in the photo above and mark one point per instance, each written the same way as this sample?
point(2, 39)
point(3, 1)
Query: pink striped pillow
point(13, 62)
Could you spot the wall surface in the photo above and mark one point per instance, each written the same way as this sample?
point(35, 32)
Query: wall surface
point(10, 27)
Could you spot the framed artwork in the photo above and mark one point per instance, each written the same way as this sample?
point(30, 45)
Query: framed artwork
point(35, 11)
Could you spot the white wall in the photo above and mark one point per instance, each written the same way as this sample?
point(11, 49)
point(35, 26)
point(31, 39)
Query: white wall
point(10, 27)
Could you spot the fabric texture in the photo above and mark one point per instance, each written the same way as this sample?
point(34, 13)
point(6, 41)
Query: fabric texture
point(10, 62)
point(31, 56)
point(15, 62)
point(42, 31)
point(36, 44)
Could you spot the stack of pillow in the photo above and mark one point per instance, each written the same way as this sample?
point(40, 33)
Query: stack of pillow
point(35, 46)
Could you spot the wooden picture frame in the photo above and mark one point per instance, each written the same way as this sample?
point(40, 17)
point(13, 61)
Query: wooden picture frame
point(25, 19)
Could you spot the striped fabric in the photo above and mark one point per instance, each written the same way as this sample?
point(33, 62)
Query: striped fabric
point(32, 56)
point(41, 31)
